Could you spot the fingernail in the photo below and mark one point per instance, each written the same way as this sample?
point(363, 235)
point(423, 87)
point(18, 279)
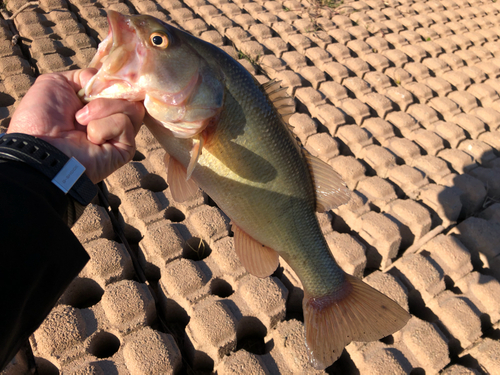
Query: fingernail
point(82, 114)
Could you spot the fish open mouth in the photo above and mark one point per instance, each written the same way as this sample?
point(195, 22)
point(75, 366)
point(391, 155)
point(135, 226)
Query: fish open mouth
point(117, 62)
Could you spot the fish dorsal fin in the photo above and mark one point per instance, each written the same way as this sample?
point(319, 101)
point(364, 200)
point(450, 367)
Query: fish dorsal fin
point(259, 260)
point(331, 190)
point(284, 103)
point(181, 188)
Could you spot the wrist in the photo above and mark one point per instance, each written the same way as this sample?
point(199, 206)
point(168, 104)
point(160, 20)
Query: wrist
point(64, 172)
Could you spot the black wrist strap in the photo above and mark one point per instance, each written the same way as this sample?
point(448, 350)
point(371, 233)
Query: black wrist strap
point(67, 174)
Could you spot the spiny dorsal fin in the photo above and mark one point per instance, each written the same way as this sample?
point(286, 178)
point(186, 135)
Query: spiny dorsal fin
point(284, 103)
point(259, 260)
point(331, 190)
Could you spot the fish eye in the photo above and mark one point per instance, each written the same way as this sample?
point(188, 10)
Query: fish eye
point(159, 40)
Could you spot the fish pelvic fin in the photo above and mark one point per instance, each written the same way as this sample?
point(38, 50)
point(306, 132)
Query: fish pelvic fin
point(195, 154)
point(181, 188)
point(357, 312)
point(259, 260)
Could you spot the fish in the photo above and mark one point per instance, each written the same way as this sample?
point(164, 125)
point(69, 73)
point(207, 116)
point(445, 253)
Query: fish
point(227, 134)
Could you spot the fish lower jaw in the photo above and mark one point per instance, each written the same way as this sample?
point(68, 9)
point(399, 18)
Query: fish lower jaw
point(181, 129)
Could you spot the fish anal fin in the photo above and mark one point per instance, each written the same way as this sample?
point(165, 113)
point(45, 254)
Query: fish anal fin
point(331, 190)
point(181, 188)
point(259, 260)
point(355, 313)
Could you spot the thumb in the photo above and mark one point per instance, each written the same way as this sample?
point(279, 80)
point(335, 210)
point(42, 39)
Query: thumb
point(79, 78)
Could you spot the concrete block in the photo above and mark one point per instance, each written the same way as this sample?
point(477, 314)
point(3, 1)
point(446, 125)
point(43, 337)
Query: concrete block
point(348, 252)
point(160, 245)
point(63, 329)
point(236, 362)
point(379, 81)
point(403, 148)
point(486, 353)
point(151, 352)
point(444, 201)
point(109, 262)
point(480, 151)
point(432, 166)
point(226, 259)
point(303, 126)
point(481, 237)
point(323, 146)
point(379, 158)
point(331, 117)
point(460, 161)
point(351, 212)
point(354, 137)
point(379, 129)
point(424, 114)
point(378, 191)
point(458, 78)
point(378, 358)
point(264, 297)
point(350, 169)
point(127, 178)
point(127, 314)
point(289, 339)
point(491, 213)
point(421, 91)
point(473, 193)
point(450, 254)
point(420, 276)
point(428, 140)
point(211, 331)
point(383, 236)
point(402, 97)
point(13, 65)
point(334, 91)
point(390, 286)
point(413, 220)
point(459, 370)
point(399, 59)
point(483, 291)
point(458, 319)
point(490, 177)
point(94, 223)
point(192, 282)
point(426, 344)
point(409, 179)
point(403, 122)
point(141, 206)
point(209, 222)
point(336, 71)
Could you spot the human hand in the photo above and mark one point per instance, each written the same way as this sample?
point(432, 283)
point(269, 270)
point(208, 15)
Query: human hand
point(100, 135)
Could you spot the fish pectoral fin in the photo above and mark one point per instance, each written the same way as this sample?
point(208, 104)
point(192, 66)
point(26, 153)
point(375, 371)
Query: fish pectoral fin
point(357, 312)
point(181, 188)
point(331, 190)
point(195, 154)
point(259, 260)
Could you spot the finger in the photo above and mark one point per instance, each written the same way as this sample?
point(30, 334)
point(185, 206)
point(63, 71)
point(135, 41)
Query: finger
point(116, 129)
point(100, 108)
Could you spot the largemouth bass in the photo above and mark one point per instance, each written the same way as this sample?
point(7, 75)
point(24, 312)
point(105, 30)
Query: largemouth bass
point(225, 133)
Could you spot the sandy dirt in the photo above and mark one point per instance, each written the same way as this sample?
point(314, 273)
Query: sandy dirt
point(399, 97)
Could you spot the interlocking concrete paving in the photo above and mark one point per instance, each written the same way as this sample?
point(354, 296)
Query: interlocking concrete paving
point(400, 97)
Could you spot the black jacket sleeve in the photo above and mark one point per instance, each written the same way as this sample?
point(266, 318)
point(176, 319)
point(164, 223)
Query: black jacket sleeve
point(39, 255)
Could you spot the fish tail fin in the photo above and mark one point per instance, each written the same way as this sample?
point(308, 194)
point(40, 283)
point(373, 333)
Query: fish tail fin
point(355, 313)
